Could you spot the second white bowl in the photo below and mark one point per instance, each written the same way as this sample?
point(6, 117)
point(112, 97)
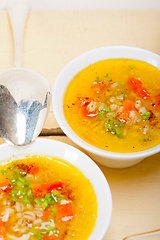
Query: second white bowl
point(106, 158)
point(82, 162)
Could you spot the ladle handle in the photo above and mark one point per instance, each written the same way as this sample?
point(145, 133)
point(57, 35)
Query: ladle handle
point(18, 12)
point(153, 235)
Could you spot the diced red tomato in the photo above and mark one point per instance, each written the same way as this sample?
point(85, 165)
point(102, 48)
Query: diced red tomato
point(40, 190)
point(137, 86)
point(46, 215)
point(65, 212)
point(127, 107)
point(98, 87)
point(2, 230)
point(5, 186)
point(49, 238)
point(56, 185)
point(84, 102)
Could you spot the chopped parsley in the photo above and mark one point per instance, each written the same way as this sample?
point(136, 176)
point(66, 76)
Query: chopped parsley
point(118, 91)
point(106, 109)
point(97, 79)
point(145, 115)
point(112, 126)
point(101, 115)
point(131, 66)
point(3, 171)
point(119, 103)
point(122, 83)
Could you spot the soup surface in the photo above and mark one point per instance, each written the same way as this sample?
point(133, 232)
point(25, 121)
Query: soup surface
point(115, 105)
point(45, 198)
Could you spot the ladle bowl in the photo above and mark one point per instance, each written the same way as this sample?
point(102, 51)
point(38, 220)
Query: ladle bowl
point(25, 95)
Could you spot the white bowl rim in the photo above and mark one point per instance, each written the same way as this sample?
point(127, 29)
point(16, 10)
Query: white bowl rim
point(103, 195)
point(65, 126)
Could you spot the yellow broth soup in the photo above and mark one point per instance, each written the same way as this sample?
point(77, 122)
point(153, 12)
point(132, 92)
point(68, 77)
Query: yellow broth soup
point(45, 198)
point(115, 105)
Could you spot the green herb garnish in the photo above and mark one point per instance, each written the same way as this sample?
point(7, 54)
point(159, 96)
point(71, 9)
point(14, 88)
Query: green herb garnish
point(44, 204)
point(3, 171)
point(119, 103)
point(131, 66)
point(49, 227)
point(56, 196)
point(101, 115)
point(38, 237)
point(106, 109)
point(121, 136)
point(14, 177)
point(14, 199)
point(97, 79)
point(14, 192)
point(107, 97)
point(22, 173)
point(121, 124)
point(22, 192)
point(145, 115)
point(142, 140)
point(118, 91)
point(112, 126)
point(26, 201)
point(38, 200)
point(126, 91)
point(150, 138)
point(118, 131)
point(122, 83)
point(44, 233)
point(34, 231)
point(54, 210)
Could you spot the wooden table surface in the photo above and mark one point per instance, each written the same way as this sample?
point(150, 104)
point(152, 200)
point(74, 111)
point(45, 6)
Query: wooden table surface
point(54, 38)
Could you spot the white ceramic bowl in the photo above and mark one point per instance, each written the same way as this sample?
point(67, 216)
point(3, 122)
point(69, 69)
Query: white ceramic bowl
point(82, 162)
point(106, 158)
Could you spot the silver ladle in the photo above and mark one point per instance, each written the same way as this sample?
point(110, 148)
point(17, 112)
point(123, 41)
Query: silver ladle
point(25, 95)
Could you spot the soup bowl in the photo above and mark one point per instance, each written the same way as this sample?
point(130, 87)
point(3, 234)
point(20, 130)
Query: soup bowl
point(80, 161)
point(107, 158)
